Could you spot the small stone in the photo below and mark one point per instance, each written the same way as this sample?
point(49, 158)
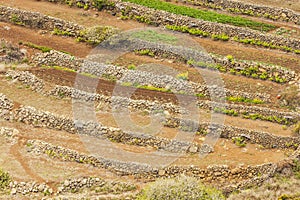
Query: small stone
point(161, 172)
point(193, 149)
point(66, 183)
point(41, 188)
point(13, 191)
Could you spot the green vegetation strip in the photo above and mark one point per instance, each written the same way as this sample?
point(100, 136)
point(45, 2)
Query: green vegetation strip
point(154, 36)
point(44, 49)
point(204, 15)
point(224, 37)
point(253, 116)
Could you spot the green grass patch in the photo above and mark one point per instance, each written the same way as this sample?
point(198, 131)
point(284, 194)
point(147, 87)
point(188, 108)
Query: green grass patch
point(153, 36)
point(150, 87)
point(244, 100)
point(31, 45)
point(204, 15)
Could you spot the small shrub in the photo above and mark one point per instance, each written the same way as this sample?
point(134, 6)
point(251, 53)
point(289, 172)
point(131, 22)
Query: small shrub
point(179, 188)
point(131, 67)
point(239, 141)
point(183, 76)
point(4, 180)
point(297, 129)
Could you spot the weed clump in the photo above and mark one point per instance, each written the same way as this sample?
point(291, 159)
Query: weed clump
point(180, 188)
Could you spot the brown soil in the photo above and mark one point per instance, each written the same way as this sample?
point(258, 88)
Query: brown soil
point(17, 34)
point(25, 166)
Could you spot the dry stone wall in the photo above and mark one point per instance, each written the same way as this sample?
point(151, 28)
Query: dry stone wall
point(162, 18)
point(125, 76)
point(29, 188)
point(10, 53)
point(279, 116)
point(30, 115)
point(37, 20)
point(78, 184)
point(92, 35)
point(6, 107)
point(222, 173)
point(267, 140)
point(117, 102)
point(26, 78)
point(281, 14)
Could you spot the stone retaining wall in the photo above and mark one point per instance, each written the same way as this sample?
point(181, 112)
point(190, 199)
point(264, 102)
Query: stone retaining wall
point(265, 139)
point(246, 68)
point(78, 184)
point(92, 35)
point(10, 53)
point(26, 78)
point(281, 14)
point(26, 188)
point(279, 116)
point(37, 20)
point(124, 76)
point(244, 111)
point(220, 173)
point(6, 107)
point(162, 18)
point(30, 115)
point(115, 102)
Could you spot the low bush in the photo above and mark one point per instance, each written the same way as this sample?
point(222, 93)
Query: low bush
point(179, 188)
point(183, 76)
point(239, 141)
point(4, 180)
point(297, 129)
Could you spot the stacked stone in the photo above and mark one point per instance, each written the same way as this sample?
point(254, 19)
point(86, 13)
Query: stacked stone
point(116, 102)
point(269, 12)
point(138, 77)
point(6, 107)
point(27, 78)
point(78, 184)
point(27, 188)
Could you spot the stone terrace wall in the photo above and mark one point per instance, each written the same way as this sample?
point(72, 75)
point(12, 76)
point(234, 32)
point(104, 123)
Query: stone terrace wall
point(117, 102)
point(6, 107)
point(27, 78)
point(162, 18)
point(37, 20)
point(267, 140)
point(30, 115)
point(290, 117)
point(269, 12)
point(92, 35)
point(135, 76)
point(221, 173)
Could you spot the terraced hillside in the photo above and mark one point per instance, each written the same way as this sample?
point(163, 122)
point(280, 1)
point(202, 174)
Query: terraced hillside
point(128, 99)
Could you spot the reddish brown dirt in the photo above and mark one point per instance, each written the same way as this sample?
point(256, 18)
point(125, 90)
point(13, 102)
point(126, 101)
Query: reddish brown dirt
point(80, 16)
point(233, 82)
point(224, 48)
point(25, 166)
point(19, 33)
point(104, 86)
